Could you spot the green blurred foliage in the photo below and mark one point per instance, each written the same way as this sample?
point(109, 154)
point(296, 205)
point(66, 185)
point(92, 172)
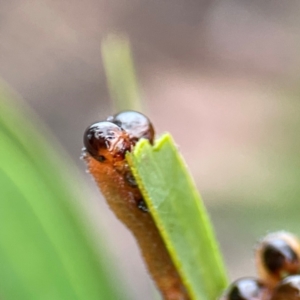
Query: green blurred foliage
point(46, 251)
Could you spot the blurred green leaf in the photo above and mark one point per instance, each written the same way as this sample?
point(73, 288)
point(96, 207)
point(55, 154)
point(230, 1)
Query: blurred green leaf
point(45, 248)
point(120, 73)
point(180, 215)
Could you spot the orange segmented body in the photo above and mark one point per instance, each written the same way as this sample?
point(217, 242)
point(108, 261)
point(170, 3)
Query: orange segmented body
point(106, 144)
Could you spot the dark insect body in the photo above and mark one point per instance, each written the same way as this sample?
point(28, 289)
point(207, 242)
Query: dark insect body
point(106, 144)
point(245, 289)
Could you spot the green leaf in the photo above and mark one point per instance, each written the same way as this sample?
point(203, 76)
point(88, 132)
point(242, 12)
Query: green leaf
point(46, 251)
point(180, 215)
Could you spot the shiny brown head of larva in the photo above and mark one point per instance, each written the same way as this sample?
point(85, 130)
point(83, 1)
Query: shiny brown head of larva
point(288, 289)
point(136, 124)
point(106, 142)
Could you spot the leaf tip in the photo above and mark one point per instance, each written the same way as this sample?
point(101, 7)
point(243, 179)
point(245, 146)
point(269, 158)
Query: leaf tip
point(159, 143)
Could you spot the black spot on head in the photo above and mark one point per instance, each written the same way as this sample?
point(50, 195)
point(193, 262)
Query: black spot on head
point(101, 158)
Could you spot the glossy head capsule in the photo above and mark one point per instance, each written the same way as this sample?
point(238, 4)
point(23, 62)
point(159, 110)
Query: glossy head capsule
point(106, 141)
point(288, 289)
point(135, 124)
point(278, 256)
point(245, 289)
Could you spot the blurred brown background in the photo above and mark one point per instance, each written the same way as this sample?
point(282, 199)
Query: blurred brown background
point(221, 76)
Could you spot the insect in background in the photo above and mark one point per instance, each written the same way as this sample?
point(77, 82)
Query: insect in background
point(277, 255)
point(278, 265)
point(106, 144)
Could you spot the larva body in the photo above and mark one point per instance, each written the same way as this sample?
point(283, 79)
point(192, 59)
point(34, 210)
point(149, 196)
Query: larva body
point(106, 144)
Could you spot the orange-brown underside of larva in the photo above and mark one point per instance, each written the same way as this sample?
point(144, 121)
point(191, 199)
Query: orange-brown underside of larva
point(123, 199)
